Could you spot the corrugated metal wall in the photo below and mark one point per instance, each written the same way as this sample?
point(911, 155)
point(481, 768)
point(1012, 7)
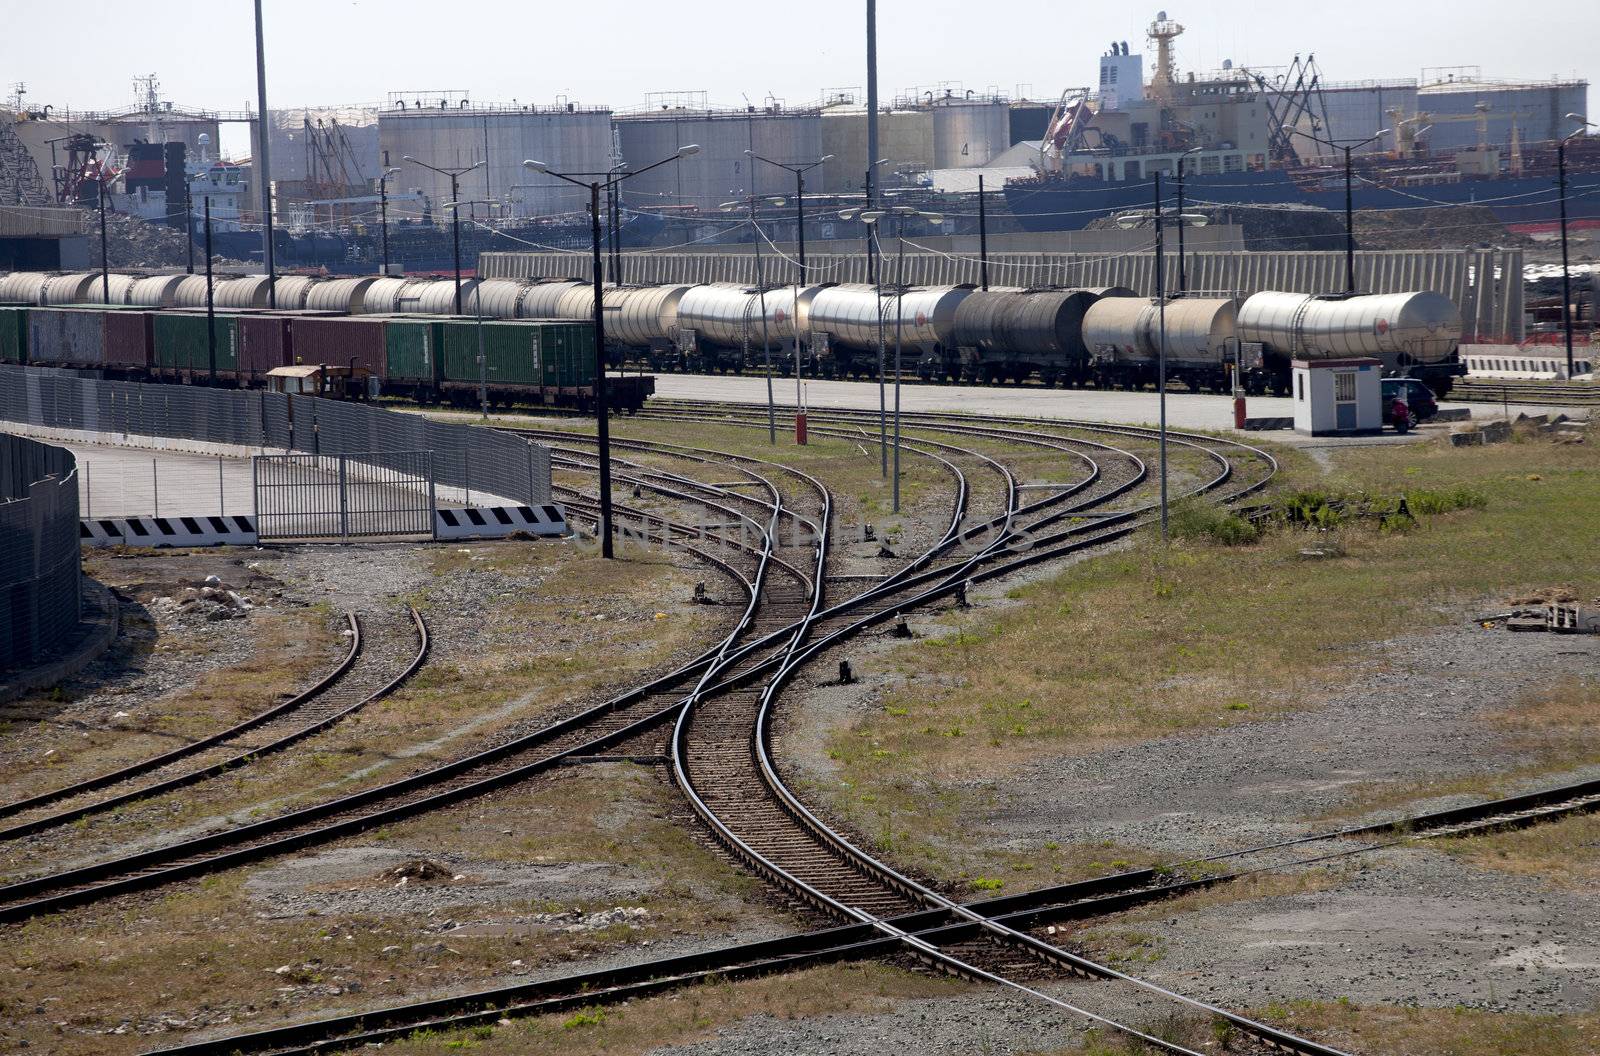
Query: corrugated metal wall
point(1490, 311)
point(40, 595)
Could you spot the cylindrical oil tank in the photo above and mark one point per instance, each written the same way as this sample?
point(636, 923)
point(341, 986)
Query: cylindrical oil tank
point(709, 178)
point(1422, 327)
point(456, 132)
point(575, 302)
point(802, 306)
point(157, 291)
point(968, 132)
point(68, 289)
point(22, 287)
point(540, 299)
point(439, 298)
point(247, 292)
point(636, 315)
point(385, 296)
point(1046, 324)
point(718, 312)
point(338, 295)
point(496, 298)
point(1119, 327)
point(927, 316)
point(291, 292)
point(191, 292)
point(978, 320)
point(1198, 329)
point(120, 285)
point(848, 314)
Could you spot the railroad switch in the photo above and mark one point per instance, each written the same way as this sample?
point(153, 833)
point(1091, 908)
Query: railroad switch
point(902, 629)
point(961, 596)
point(846, 676)
point(868, 533)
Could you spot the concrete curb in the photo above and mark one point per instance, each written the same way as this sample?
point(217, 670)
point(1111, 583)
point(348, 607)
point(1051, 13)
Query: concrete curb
point(97, 631)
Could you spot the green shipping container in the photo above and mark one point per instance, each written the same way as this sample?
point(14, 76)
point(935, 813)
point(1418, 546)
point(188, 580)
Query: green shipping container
point(13, 335)
point(180, 340)
point(512, 352)
point(413, 349)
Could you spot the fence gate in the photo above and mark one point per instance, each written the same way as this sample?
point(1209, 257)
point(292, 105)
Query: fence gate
point(380, 493)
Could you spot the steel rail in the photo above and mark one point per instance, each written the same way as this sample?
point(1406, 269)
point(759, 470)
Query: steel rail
point(155, 762)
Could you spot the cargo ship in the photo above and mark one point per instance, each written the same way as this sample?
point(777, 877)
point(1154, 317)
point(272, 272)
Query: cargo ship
point(1247, 139)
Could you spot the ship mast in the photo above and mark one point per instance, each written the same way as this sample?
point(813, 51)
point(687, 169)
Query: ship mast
point(1163, 31)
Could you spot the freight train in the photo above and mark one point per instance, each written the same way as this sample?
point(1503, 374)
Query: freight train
point(1106, 337)
point(427, 358)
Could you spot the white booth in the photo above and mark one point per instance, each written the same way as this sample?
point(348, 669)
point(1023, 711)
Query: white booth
point(1334, 397)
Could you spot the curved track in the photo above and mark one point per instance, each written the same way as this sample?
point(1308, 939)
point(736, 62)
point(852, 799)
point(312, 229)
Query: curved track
point(381, 642)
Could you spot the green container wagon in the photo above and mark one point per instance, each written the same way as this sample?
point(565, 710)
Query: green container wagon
point(180, 340)
point(14, 335)
point(512, 353)
point(413, 350)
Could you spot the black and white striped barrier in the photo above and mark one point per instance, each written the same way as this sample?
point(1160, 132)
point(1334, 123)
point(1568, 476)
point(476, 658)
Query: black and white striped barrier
point(473, 522)
point(168, 531)
point(497, 522)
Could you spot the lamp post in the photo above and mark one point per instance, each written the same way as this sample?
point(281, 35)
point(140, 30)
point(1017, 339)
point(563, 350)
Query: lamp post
point(383, 211)
point(1349, 206)
point(900, 214)
point(761, 294)
point(455, 222)
point(799, 204)
point(1183, 276)
point(1566, 275)
point(263, 163)
point(873, 250)
point(477, 311)
point(983, 237)
point(603, 427)
point(211, 304)
point(105, 263)
point(1135, 220)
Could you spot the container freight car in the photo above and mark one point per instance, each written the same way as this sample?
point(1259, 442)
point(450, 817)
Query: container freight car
point(182, 352)
point(413, 348)
point(339, 341)
point(13, 334)
point(540, 361)
point(67, 337)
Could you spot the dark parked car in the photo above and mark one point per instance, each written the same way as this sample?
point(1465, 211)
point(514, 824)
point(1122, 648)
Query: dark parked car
point(1417, 396)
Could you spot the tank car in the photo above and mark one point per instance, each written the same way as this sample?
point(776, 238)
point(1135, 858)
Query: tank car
point(844, 326)
point(1125, 336)
point(1413, 334)
point(1010, 334)
point(721, 326)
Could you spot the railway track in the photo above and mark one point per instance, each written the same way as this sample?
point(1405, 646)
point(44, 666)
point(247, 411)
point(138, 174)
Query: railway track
point(592, 730)
point(844, 942)
point(718, 731)
point(381, 643)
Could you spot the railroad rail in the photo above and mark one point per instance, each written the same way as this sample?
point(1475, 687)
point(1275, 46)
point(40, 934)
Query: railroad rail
point(379, 643)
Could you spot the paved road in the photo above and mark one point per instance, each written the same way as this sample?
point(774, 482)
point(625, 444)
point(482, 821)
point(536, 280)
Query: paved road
point(1185, 410)
point(126, 481)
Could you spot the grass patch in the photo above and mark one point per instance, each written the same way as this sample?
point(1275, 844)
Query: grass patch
point(1408, 1031)
point(1151, 641)
point(1563, 853)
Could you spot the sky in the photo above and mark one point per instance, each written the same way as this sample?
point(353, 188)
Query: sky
point(358, 51)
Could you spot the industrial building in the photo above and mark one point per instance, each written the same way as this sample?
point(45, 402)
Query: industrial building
point(449, 131)
point(722, 170)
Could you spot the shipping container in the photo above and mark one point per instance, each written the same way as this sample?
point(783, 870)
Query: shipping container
point(180, 342)
point(130, 339)
point(265, 342)
point(413, 350)
point(351, 341)
point(13, 335)
point(532, 353)
point(71, 337)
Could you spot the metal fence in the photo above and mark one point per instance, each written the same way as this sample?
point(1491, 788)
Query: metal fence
point(344, 496)
point(40, 591)
point(490, 462)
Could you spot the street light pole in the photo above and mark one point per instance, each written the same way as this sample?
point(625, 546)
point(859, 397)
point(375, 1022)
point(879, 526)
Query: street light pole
point(1161, 360)
point(105, 263)
point(1566, 275)
point(983, 237)
point(1183, 277)
point(188, 221)
point(1349, 199)
point(602, 423)
point(455, 222)
point(263, 164)
point(211, 306)
point(383, 210)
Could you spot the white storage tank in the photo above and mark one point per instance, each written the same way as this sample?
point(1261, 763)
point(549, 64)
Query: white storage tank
point(967, 132)
point(1402, 328)
point(337, 295)
point(721, 171)
point(450, 131)
point(157, 291)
